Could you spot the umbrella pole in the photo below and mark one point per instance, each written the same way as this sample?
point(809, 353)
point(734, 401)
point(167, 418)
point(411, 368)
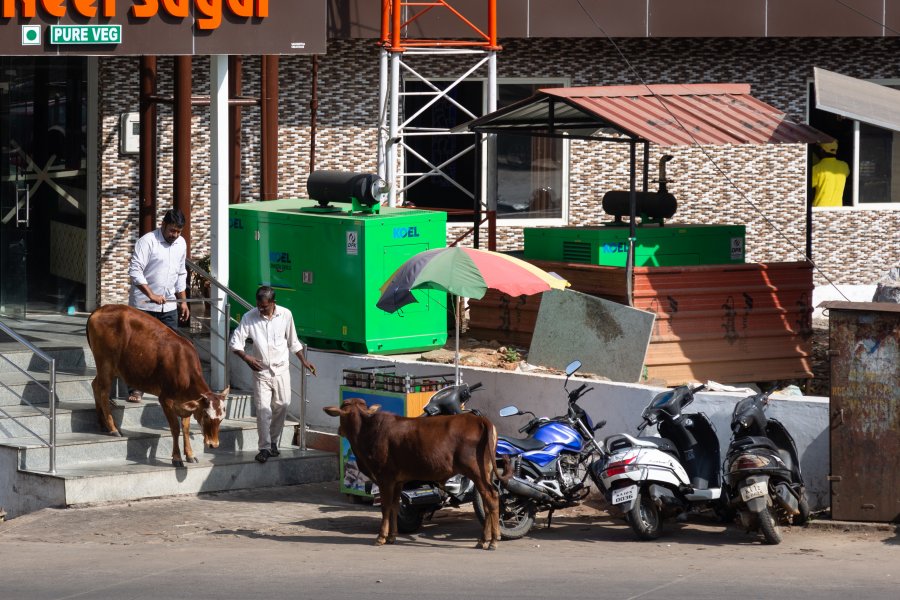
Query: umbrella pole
point(456, 361)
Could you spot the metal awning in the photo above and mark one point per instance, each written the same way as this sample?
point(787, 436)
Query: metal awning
point(668, 115)
point(857, 99)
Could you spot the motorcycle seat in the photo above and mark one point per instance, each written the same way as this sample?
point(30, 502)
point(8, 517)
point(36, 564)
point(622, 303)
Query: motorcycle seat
point(528, 443)
point(663, 444)
point(752, 442)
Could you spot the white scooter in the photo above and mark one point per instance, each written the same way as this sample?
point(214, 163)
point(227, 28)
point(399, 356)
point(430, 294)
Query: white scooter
point(649, 479)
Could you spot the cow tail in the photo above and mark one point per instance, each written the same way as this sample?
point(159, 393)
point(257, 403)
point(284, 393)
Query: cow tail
point(507, 466)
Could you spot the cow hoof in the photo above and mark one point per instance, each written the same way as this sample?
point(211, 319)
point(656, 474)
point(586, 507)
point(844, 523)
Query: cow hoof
point(392, 539)
point(492, 546)
point(178, 464)
point(115, 434)
point(379, 541)
point(193, 459)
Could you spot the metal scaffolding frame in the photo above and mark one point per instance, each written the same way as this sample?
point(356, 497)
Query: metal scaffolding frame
point(478, 55)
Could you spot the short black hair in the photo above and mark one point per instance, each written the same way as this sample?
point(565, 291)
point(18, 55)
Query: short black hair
point(174, 217)
point(265, 292)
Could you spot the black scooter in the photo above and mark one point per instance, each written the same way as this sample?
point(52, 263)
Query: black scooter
point(421, 499)
point(763, 483)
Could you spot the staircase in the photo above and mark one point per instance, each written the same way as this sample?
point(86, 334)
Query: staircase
point(94, 467)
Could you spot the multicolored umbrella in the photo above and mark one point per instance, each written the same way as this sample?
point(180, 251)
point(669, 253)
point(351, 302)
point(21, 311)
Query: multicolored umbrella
point(467, 273)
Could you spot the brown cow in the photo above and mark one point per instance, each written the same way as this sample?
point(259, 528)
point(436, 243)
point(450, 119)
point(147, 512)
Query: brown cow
point(148, 355)
point(392, 450)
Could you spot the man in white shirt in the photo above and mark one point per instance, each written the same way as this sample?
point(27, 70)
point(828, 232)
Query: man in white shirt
point(271, 328)
point(159, 276)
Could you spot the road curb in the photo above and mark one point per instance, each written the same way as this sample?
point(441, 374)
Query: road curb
point(831, 525)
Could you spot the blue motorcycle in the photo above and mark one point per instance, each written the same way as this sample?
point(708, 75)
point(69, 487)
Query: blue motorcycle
point(550, 467)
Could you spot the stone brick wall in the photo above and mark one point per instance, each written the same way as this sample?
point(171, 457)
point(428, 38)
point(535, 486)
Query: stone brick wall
point(763, 187)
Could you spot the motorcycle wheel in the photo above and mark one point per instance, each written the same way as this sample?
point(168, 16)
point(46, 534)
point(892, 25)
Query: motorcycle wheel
point(769, 527)
point(803, 517)
point(644, 518)
point(409, 520)
point(516, 515)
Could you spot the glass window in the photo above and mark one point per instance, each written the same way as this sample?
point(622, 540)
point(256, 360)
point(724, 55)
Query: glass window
point(872, 155)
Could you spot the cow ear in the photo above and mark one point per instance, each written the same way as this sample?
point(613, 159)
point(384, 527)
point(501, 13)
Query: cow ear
point(373, 409)
point(334, 411)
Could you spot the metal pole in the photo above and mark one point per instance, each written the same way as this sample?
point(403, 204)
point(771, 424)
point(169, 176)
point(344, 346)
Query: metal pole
point(391, 155)
point(53, 416)
point(456, 311)
point(632, 202)
point(382, 113)
point(225, 353)
point(303, 400)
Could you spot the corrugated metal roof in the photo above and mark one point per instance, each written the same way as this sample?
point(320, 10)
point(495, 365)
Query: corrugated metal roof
point(668, 115)
point(857, 99)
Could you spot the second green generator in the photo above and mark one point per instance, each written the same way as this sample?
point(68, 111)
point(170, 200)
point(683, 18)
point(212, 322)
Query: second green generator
point(328, 267)
point(655, 246)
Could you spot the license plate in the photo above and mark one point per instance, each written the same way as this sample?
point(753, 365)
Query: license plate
point(754, 490)
point(626, 494)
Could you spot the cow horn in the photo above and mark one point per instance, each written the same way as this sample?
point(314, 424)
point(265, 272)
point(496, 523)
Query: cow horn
point(225, 391)
point(373, 409)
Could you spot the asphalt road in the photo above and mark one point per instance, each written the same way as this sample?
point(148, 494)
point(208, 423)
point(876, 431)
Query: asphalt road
point(309, 541)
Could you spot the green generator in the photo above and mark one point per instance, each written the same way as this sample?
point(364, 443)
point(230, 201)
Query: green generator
point(655, 246)
point(327, 264)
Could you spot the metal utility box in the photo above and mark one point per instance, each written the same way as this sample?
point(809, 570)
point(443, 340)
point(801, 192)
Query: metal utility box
point(327, 267)
point(668, 246)
point(864, 344)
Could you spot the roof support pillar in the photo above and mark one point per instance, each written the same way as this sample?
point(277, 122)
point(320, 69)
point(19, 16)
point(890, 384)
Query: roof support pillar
point(218, 213)
point(147, 160)
point(182, 166)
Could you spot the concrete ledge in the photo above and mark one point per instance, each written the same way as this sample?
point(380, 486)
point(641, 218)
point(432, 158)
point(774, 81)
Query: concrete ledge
point(859, 526)
point(620, 404)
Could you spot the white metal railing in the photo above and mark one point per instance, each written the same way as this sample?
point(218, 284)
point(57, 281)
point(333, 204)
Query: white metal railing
point(222, 337)
point(51, 393)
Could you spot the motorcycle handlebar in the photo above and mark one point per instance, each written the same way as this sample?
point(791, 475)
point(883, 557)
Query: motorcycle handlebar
point(475, 386)
point(699, 388)
point(526, 427)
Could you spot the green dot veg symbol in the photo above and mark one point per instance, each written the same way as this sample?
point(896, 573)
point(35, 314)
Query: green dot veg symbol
point(31, 35)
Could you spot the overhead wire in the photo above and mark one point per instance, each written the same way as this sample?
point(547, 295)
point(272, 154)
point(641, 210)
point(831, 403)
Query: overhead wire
point(709, 158)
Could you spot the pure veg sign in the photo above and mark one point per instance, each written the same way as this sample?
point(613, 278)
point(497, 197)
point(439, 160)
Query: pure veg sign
point(163, 26)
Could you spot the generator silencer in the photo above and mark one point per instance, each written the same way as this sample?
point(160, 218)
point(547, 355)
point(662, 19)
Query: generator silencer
point(343, 186)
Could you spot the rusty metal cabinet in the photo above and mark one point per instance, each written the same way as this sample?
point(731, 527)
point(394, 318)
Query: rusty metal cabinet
point(864, 340)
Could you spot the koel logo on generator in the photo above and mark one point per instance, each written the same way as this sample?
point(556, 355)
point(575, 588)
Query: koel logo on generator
point(208, 13)
point(405, 232)
point(279, 261)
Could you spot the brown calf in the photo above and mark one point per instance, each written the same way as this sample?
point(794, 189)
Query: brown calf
point(393, 450)
point(151, 357)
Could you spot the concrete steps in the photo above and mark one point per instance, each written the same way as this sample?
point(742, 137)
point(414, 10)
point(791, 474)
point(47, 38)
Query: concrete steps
point(94, 467)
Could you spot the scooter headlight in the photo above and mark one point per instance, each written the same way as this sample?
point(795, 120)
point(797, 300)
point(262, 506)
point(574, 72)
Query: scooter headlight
point(750, 461)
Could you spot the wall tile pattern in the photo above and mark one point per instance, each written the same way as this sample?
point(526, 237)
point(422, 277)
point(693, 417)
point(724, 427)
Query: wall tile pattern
point(762, 187)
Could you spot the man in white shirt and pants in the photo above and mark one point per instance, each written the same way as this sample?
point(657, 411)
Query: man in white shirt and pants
point(272, 330)
point(159, 276)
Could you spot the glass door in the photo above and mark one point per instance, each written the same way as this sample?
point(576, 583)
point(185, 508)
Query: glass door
point(43, 210)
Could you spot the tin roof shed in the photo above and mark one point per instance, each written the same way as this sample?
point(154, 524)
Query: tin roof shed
point(667, 114)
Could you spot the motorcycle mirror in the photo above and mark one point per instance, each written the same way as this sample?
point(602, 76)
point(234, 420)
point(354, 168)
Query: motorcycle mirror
point(573, 366)
point(509, 411)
